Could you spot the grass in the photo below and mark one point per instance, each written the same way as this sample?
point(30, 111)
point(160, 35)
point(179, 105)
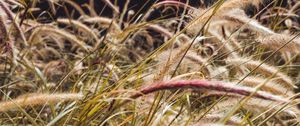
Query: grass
point(222, 62)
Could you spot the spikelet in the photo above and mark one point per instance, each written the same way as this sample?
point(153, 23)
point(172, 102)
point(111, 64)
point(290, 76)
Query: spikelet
point(239, 17)
point(255, 106)
point(37, 99)
point(264, 69)
point(272, 87)
point(276, 41)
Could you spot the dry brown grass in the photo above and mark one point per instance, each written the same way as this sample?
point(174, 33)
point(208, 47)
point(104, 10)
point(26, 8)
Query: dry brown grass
point(234, 62)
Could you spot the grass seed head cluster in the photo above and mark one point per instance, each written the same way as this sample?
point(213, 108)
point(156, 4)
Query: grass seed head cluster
point(224, 62)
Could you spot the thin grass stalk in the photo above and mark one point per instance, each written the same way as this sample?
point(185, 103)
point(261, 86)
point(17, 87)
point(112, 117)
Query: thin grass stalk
point(52, 6)
point(295, 7)
point(76, 6)
point(124, 12)
point(112, 6)
point(91, 8)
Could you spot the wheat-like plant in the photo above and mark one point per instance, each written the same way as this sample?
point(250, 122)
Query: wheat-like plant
point(37, 99)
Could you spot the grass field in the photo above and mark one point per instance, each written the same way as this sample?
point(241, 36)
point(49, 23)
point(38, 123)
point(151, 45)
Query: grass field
point(150, 62)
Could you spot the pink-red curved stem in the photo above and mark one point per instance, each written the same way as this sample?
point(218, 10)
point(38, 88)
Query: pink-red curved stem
point(210, 85)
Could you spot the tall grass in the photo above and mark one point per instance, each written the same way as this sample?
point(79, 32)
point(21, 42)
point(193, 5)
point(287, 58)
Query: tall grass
point(225, 62)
